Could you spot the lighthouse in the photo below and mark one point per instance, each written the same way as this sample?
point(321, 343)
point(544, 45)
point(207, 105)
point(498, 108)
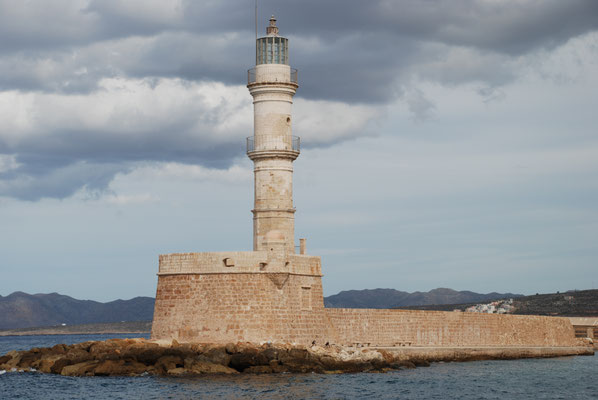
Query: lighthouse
point(269, 294)
point(272, 83)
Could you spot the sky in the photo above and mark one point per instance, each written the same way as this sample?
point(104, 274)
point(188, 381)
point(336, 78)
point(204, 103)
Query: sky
point(445, 143)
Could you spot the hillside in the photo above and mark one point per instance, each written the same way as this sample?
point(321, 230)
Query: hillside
point(391, 298)
point(580, 303)
point(22, 310)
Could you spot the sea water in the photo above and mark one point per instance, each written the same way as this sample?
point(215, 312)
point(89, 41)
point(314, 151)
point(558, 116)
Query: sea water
point(554, 378)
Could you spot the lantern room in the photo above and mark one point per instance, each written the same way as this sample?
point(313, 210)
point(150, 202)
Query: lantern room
point(272, 49)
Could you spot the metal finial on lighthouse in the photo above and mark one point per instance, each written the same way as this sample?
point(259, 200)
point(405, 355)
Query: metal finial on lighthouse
point(272, 29)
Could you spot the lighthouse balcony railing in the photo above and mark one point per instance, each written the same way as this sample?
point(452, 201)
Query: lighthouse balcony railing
point(252, 77)
point(273, 142)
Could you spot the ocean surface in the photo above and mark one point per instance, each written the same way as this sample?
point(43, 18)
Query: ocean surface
point(556, 378)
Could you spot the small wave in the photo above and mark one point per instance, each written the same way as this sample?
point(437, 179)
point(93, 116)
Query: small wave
point(2, 371)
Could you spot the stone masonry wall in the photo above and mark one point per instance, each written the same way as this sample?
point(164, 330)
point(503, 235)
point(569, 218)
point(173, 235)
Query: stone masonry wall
point(222, 308)
point(436, 328)
point(259, 297)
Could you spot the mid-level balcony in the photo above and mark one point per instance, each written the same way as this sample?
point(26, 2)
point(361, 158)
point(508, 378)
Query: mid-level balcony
point(271, 74)
point(273, 142)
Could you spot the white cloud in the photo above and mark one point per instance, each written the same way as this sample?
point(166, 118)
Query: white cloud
point(8, 162)
point(326, 122)
point(125, 200)
point(187, 173)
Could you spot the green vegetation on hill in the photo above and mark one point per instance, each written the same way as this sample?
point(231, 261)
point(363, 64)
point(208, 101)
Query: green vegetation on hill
point(579, 303)
point(582, 303)
point(391, 298)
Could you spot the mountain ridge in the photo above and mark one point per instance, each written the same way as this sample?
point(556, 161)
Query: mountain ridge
point(392, 298)
point(23, 310)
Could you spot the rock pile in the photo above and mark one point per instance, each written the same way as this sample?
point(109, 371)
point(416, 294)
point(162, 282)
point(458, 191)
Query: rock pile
point(132, 357)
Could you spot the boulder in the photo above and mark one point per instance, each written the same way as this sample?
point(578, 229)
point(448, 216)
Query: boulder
point(120, 368)
point(300, 360)
point(58, 349)
point(80, 369)
point(250, 357)
point(77, 356)
point(202, 367)
point(218, 355)
point(177, 371)
point(12, 361)
point(4, 360)
point(59, 364)
point(230, 348)
point(45, 364)
point(166, 363)
point(29, 357)
point(148, 356)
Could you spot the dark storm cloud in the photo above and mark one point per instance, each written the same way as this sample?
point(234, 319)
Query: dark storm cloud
point(361, 48)
point(349, 51)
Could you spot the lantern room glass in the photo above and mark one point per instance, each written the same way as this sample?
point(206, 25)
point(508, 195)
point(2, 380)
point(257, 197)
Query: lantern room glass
point(272, 50)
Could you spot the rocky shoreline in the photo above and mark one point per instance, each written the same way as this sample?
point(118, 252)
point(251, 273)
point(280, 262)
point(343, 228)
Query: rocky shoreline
point(134, 357)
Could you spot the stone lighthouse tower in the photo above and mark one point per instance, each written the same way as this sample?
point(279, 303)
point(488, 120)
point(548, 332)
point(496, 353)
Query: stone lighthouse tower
point(272, 148)
point(270, 294)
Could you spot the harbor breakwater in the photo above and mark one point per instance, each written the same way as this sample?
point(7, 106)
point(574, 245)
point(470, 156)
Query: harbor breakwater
point(135, 357)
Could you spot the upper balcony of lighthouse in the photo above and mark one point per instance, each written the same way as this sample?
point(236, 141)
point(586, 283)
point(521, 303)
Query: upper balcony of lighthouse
point(272, 59)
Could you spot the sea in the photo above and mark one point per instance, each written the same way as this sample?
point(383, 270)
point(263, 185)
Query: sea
point(554, 378)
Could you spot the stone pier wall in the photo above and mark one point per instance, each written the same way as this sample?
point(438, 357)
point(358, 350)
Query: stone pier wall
point(263, 297)
point(447, 329)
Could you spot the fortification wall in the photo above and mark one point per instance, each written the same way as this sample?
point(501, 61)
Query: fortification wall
point(262, 296)
point(256, 299)
point(437, 328)
point(236, 262)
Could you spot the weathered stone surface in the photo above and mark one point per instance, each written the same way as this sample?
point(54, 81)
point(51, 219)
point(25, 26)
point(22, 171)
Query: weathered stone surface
point(201, 367)
point(259, 369)
point(79, 369)
point(139, 356)
point(166, 363)
point(58, 365)
point(218, 355)
point(45, 365)
point(120, 367)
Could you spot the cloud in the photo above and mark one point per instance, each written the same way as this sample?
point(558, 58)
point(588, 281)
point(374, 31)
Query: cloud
point(55, 144)
point(59, 182)
point(322, 123)
point(364, 50)
point(125, 200)
point(420, 106)
point(91, 88)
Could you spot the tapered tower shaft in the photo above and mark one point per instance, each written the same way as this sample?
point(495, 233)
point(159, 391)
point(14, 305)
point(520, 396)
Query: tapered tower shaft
point(273, 148)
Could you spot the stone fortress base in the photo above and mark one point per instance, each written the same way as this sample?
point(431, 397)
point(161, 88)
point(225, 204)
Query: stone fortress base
point(256, 297)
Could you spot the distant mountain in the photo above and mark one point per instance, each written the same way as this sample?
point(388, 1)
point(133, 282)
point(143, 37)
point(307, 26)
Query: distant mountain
point(574, 303)
point(391, 298)
point(22, 310)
